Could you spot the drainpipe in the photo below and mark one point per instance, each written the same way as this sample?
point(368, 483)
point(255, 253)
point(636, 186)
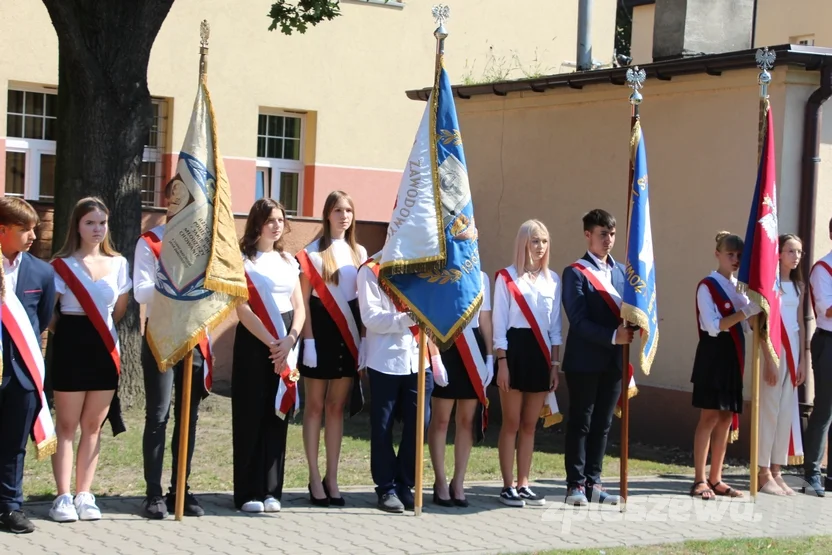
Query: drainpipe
point(808, 193)
point(584, 58)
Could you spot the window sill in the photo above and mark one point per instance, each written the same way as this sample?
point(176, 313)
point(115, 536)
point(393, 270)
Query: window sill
point(388, 4)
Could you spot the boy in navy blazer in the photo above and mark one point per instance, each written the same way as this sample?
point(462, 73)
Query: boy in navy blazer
point(592, 357)
point(33, 281)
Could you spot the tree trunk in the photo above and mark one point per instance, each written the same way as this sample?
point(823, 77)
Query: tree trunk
point(104, 116)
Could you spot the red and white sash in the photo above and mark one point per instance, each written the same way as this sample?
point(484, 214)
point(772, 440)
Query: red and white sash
point(518, 289)
point(604, 286)
point(311, 264)
point(90, 299)
point(469, 351)
point(153, 238)
point(264, 307)
point(825, 266)
point(795, 432)
point(17, 324)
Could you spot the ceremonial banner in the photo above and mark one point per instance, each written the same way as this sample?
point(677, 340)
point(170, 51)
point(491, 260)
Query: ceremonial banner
point(430, 261)
point(638, 304)
point(759, 274)
point(200, 277)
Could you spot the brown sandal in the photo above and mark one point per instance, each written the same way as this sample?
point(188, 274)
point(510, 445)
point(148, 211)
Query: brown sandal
point(706, 494)
point(728, 492)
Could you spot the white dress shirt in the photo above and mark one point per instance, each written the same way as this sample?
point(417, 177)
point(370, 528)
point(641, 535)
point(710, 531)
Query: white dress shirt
point(821, 283)
point(347, 270)
point(145, 266)
point(709, 315)
point(391, 346)
point(506, 314)
point(111, 286)
point(282, 271)
point(11, 270)
point(486, 300)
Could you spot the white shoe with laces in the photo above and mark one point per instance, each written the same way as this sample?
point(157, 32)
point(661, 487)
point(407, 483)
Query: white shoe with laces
point(63, 510)
point(86, 507)
point(271, 505)
point(253, 507)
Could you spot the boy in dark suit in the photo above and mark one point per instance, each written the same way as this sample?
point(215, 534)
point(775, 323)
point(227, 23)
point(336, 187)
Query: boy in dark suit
point(592, 359)
point(33, 281)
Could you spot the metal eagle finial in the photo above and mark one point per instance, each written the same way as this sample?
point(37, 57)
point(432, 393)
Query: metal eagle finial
point(765, 61)
point(204, 33)
point(441, 13)
point(635, 80)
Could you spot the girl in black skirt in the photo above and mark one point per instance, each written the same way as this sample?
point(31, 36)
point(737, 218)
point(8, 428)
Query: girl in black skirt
point(525, 371)
point(718, 366)
point(264, 349)
point(460, 391)
point(92, 282)
point(331, 340)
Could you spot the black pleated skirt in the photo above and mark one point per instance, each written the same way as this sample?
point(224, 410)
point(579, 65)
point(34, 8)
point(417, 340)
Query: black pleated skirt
point(527, 367)
point(80, 360)
point(335, 360)
point(459, 383)
point(717, 376)
point(258, 434)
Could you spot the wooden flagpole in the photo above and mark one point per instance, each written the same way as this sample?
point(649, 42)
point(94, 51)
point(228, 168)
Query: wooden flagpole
point(635, 80)
point(188, 364)
point(765, 61)
point(420, 425)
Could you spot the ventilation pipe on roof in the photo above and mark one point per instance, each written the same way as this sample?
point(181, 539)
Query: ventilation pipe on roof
point(584, 59)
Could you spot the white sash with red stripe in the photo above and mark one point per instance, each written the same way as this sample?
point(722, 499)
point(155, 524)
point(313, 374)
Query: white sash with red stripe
point(264, 307)
point(16, 323)
point(153, 238)
point(604, 286)
point(795, 454)
point(519, 291)
point(819, 264)
point(311, 264)
point(90, 299)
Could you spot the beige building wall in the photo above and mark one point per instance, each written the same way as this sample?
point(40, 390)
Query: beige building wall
point(346, 76)
point(641, 37)
point(789, 21)
point(556, 155)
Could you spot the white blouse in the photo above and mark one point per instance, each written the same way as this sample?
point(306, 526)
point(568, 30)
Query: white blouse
point(347, 270)
point(546, 295)
point(486, 299)
point(709, 315)
point(110, 287)
point(282, 271)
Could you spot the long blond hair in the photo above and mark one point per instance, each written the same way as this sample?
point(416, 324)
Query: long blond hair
point(330, 266)
point(522, 253)
point(73, 239)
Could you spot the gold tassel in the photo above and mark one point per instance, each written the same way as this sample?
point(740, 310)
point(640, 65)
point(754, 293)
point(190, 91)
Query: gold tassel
point(795, 460)
point(733, 436)
point(46, 448)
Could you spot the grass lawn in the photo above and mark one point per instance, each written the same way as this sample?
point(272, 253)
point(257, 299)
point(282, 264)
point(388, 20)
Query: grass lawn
point(783, 546)
point(120, 469)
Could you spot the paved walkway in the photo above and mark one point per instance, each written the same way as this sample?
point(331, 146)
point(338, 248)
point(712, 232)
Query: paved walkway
point(659, 511)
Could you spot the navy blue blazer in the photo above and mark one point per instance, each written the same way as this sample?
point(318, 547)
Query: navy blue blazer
point(592, 324)
point(36, 291)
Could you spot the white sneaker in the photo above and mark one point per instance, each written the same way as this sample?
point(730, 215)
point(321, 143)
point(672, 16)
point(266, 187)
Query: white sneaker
point(253, 507)
point(63, 510)
point(86, 507)
point(271, 505)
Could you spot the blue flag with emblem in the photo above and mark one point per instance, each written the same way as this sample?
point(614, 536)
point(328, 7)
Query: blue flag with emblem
point(430, 261)
point(639, 299)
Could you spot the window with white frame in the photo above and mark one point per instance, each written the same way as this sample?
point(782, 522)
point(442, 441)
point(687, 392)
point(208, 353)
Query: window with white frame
point(31, 130)
point(152, 169)
point(280, 159)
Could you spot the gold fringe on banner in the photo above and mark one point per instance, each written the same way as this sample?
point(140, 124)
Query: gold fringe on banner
point(46, 448)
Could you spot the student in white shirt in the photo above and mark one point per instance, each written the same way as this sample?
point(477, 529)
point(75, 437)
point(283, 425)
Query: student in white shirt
point(816, 442)
point(329, 270)
point(393, 365)
point(525, 372)
point(85, 366)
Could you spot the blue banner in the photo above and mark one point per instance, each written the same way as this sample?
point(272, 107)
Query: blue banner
point(639, 298)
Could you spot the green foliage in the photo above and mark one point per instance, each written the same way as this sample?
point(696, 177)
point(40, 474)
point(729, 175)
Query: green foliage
point(500, 68)
point(298, 16)
point(623, 29)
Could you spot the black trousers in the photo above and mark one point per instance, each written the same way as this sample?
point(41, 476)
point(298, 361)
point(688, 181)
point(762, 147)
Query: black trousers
point(158, 387)
point(815, 439)
point(592, 400)
point(17, 413)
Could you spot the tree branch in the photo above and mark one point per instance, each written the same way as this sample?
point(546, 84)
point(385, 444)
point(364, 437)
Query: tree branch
point(290, 17)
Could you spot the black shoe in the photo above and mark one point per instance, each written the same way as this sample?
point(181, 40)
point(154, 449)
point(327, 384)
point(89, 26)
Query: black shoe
point(154, 507)
point(406, 497)
point(16, 522)
point(192, 507)
point(442, 502)
point(333, 501)
point(390, 503)
point(317, 501)
point(457, 502)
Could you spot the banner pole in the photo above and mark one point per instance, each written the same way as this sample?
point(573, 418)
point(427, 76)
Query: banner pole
point(420, 425)
point(185, 417)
